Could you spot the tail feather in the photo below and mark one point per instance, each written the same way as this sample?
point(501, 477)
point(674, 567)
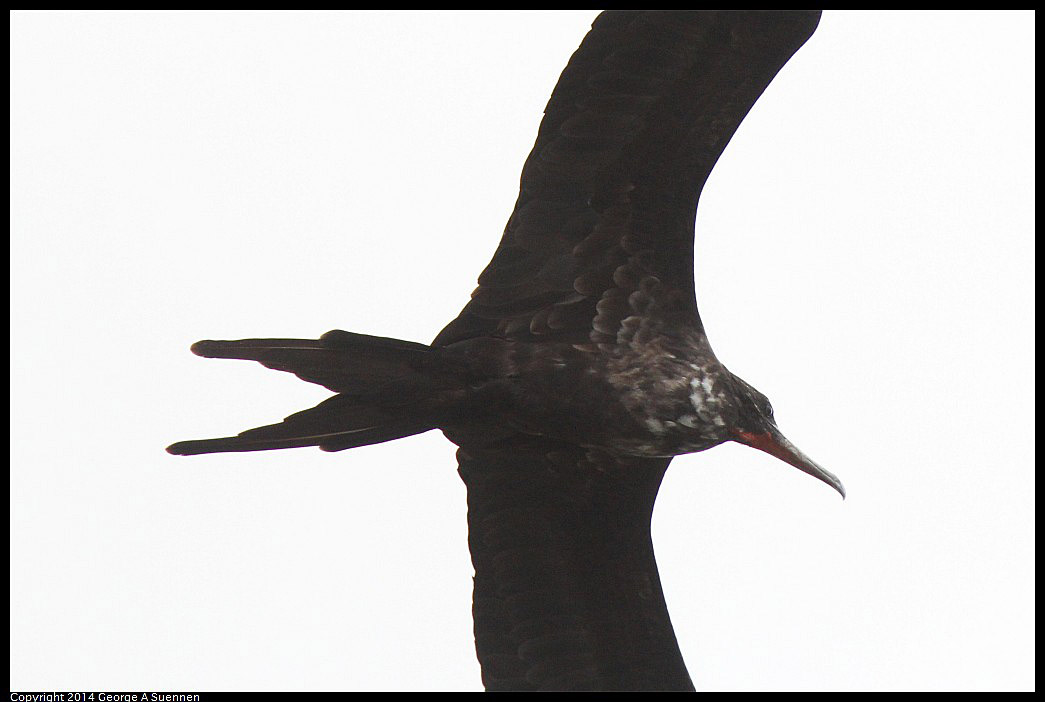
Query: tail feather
point(335, 441)
point(386, 387)
point(340, 361)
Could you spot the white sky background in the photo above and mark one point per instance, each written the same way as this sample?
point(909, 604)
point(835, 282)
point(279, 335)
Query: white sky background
point(864, 257)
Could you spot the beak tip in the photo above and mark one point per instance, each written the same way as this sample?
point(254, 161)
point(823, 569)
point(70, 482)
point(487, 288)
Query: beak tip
point(832, 481)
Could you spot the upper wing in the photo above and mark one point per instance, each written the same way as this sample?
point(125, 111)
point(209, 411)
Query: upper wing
point(566, 592)
point(603, 227)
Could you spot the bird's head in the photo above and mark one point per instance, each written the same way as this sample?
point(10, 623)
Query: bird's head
point(755, 426)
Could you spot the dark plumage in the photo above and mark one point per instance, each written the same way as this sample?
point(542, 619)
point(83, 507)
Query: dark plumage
point(580, 366)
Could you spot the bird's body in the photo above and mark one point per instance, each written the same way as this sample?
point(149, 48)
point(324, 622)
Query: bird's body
point(580, 366)
point(661, 398)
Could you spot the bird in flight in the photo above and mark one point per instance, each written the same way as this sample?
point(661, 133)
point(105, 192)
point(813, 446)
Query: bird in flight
point(580, 365)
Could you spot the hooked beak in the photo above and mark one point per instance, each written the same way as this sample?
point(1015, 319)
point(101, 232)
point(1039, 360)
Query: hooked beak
point(776, 444)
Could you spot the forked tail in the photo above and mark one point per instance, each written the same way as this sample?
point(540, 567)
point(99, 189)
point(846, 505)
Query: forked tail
point(387, 389)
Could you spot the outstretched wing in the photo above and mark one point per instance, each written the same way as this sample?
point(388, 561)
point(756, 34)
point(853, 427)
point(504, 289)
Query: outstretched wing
point(603, 227)
point(566, 592)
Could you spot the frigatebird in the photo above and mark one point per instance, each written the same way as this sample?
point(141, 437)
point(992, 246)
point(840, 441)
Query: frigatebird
point(580, 365)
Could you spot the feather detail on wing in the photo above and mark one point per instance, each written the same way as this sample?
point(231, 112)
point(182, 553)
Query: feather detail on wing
point(603, 227)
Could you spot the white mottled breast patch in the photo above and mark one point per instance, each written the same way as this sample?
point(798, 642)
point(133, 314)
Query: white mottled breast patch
point(707, 397)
